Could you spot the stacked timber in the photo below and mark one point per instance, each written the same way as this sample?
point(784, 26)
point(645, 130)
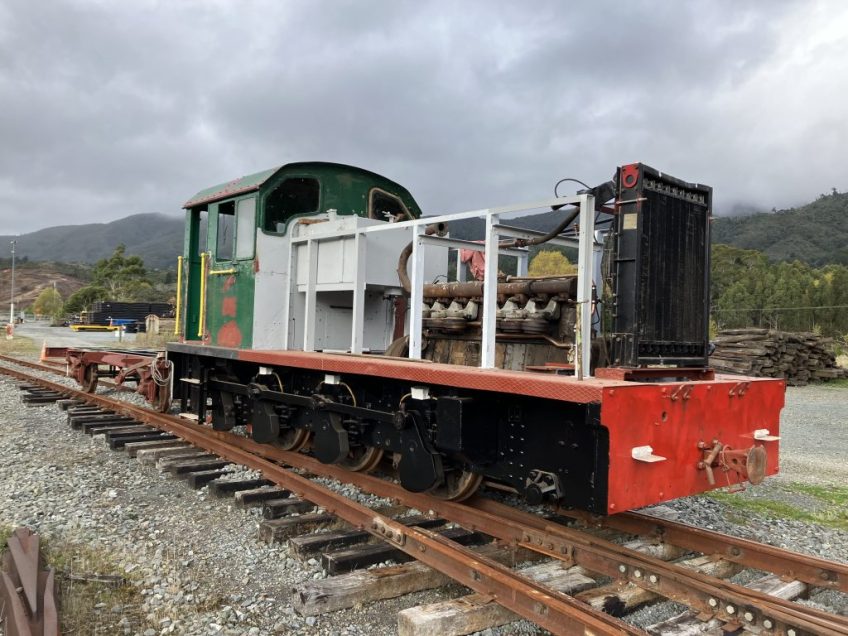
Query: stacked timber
point(800, 358)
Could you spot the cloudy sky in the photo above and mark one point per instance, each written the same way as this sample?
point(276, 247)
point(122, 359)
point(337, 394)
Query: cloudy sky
point(109, 108)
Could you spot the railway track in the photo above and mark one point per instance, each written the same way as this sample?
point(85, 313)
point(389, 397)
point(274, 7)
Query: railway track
point(667, 561)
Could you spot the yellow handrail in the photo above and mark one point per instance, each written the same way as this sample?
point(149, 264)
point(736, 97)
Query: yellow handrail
point(223, 272)
point(202, 317)
point(179, 295)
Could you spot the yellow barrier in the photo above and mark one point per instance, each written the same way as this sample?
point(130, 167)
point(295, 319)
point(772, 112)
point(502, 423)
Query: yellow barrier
point(179, 295)
point(202, 317)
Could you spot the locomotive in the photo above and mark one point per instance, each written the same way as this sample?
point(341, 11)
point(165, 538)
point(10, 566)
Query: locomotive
point(319, 309)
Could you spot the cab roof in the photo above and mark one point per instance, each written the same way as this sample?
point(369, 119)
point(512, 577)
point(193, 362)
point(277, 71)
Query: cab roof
point(253, 182)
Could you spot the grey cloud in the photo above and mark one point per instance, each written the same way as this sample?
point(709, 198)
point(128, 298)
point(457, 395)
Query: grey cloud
point(116, 108)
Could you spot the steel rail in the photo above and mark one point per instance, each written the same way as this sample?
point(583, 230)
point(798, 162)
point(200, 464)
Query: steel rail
point(809, 569)
point(708, 595)
point(557, 612)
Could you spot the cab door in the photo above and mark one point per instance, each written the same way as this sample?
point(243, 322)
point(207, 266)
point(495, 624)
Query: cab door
point(229, 290)
point(194, 262)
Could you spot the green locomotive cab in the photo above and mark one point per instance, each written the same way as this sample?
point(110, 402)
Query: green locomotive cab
point(237, 257)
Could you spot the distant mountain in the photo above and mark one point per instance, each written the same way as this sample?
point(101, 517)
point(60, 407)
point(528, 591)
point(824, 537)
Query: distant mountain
point(816, 233)
point(32, 278)
point(157, 238)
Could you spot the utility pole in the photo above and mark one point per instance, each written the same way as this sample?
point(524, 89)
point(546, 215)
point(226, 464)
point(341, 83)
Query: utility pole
point(12, 300)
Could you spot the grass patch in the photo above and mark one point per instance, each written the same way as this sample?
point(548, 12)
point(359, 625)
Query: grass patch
point(833, 511)
point(79, 599)
point(832, 495)
point(147, 340)
point(5, 533)
point(18, 345)
point(156, 341)
point(841, 383)
point(86, 606)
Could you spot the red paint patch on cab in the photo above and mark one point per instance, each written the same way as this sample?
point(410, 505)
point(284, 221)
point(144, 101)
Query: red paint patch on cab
point(229, 335)
point(228, 306)
point(229, 282)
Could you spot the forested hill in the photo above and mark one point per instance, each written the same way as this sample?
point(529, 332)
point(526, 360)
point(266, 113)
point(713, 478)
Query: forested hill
point(816, 233)
point(157, 238)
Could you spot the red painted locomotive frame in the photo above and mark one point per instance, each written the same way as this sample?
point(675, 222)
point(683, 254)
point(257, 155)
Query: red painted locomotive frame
point(681, 422)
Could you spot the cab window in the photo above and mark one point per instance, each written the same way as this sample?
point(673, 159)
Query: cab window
point(201, 219)
point(296, 196)
point(245, 225)
point(236, 223)
point(385, 206)
point(226, 231)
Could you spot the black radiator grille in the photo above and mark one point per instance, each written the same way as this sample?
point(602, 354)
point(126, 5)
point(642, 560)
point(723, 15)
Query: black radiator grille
point(660, 274)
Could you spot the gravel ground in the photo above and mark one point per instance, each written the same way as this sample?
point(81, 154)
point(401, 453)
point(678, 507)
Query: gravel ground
point(195, 559)
point(200, 569)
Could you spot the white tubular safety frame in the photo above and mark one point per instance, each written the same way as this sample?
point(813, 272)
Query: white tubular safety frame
point(588, 255)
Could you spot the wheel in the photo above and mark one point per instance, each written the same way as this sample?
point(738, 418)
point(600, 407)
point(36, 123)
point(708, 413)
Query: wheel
point(89, 382)
point(362, 459)
point(292, 439)
point(458, 485)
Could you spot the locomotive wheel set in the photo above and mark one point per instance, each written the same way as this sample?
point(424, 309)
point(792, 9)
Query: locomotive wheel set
point(307, 314)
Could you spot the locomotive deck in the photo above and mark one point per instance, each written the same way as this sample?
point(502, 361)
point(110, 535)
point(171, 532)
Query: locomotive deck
point(658, 433)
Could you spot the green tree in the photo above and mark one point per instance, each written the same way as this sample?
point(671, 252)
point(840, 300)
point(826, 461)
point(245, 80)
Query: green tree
point(550, 263)
point(749, 291)
point(123, 277)
point(81, 299)
point(49, 303)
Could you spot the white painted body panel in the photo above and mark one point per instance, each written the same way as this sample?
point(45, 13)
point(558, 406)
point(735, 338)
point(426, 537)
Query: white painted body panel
point(283, 263)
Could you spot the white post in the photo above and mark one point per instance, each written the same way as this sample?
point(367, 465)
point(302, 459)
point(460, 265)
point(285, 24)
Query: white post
point(490, 294)
point(289, 288)
point(460, 266)
point(521, 268)
point(416, 294)
point(311, 294)
point(357, 326)
point(12, 295)
point(585, 270)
